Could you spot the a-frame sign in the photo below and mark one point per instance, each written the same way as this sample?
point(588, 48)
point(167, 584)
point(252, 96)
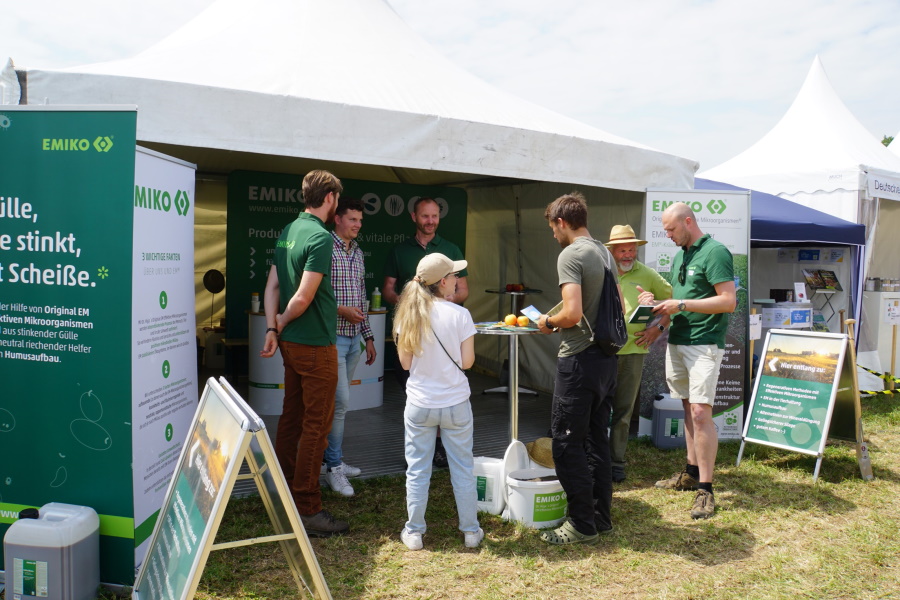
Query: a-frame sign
point(225, 432)
point(805, 392)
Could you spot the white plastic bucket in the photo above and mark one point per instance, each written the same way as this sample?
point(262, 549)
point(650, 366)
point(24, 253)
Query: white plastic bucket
point(489, 483)
point(537, 504)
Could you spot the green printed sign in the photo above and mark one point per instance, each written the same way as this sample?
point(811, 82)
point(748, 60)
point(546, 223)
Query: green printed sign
point(97, 334)
point(202, 481)
point(66, 188)
point(794, 393)
point(724, 215)
point(261, 204)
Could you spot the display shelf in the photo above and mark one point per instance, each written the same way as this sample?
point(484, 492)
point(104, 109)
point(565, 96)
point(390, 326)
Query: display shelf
point(826, 303)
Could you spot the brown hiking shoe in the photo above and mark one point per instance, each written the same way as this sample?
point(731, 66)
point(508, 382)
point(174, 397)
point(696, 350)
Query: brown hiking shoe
point(704, 505)
point(679, 481)
point(323, 525)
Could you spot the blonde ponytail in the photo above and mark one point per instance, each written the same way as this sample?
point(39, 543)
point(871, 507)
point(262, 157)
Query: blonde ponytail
point(412, 316)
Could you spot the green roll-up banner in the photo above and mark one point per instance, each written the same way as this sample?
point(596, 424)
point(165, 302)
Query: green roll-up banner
point(96, 393)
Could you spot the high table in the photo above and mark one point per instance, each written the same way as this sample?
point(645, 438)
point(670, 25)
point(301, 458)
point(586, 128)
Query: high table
point(512, 310)
point(513, 333)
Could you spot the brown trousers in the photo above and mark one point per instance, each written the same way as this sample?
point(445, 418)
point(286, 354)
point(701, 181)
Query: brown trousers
point(310, 380)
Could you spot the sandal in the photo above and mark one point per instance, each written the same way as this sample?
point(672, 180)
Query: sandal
point(567, 534)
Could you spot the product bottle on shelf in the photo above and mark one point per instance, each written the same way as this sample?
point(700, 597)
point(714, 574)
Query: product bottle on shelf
point(376, 299)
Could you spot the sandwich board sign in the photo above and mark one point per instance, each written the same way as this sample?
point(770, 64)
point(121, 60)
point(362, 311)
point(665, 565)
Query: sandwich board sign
point(806, 392)
point(225, 432)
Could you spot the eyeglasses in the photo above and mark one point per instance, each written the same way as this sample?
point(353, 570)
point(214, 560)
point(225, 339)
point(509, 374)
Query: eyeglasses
point(682, 273)
point(451, 275)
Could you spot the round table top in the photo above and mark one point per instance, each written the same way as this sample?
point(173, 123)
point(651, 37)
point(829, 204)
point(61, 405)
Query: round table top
point(518, 293)
point(507, 330)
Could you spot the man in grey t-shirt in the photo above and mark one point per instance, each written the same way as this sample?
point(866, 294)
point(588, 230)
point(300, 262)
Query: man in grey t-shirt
point(585, 377)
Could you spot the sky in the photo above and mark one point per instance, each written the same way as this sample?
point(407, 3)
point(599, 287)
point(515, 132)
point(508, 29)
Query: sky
point(701, 79)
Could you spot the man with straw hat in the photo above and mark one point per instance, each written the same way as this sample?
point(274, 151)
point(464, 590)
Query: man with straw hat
point(623, 245)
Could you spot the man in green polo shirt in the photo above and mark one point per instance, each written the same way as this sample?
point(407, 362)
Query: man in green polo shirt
point(702, 296)
point(301, 316)
point(401, 267)
point(633, 275)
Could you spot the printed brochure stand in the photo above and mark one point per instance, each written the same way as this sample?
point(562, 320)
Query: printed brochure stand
point(806, 387)
point(225, 432)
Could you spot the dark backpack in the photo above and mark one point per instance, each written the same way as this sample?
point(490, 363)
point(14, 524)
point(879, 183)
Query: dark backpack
point(610, 332)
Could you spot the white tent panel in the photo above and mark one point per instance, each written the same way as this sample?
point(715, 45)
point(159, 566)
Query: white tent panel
point(816, 155)
point(895, 145)
point(346, 81)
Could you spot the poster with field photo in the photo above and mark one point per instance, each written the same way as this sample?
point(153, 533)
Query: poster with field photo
point(793, 397)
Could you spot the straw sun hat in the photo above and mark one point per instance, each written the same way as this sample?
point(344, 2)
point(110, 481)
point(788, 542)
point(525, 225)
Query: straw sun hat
point(623, 234)
point(541, 452)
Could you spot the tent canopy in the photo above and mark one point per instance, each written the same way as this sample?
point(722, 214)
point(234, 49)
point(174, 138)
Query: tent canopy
point(346, 85)
point(817, 155)
point(778, 221)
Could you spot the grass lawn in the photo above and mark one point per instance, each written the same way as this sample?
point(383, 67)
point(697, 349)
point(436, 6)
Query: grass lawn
point(776, 534)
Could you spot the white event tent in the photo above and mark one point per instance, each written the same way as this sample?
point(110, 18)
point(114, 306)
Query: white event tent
point(291, 85)
point(895, 145)
point(819, 155)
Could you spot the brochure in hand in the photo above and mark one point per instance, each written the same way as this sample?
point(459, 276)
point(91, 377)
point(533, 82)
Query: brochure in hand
point(534, 314)
point(642, 314)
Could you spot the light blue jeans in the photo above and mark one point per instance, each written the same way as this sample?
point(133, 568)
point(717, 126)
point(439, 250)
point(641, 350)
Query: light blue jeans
point(348, 353)
point(421, 425)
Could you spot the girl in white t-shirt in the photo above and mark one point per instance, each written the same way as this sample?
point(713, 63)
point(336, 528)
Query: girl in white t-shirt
point(436, 342)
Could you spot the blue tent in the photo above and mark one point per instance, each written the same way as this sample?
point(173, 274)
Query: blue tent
point(777, 222)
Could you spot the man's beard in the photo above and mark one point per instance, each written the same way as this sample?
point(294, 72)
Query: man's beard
point(623, 268)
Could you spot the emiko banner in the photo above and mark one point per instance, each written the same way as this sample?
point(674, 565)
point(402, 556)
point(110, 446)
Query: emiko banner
point(725, 215)
point(97, 342)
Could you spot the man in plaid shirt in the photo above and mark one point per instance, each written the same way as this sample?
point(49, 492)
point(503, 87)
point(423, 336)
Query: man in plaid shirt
point(348, 276)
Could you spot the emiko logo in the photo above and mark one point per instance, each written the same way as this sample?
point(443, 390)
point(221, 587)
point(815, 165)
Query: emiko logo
point(716, 206)
point(182, 202)
point(103, 143)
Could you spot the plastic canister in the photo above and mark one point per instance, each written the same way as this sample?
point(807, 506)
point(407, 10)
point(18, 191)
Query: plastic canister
point(668, 422)
point(56, 555)
point(536, 498)
point(489, 484)
point(376, 299)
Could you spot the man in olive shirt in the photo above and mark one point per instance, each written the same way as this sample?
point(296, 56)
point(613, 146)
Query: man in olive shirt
point(585, 377)
point(301, 310)
point(703, 295)
point(633, 277)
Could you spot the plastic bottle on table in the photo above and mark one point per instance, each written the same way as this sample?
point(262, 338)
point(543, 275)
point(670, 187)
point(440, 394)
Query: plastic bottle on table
point(376, 299)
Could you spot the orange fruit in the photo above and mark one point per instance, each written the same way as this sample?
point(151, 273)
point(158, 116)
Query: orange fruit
point(510, 320)
point(523, 321)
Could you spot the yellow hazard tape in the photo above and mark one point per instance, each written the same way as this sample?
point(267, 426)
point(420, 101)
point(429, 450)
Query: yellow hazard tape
point(878, 392)
point(879, 375)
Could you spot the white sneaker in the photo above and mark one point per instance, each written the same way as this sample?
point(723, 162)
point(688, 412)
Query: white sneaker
point(412, 539)
point(351, 471)
point(473, 538)
point(337, 480)
point(348, 470)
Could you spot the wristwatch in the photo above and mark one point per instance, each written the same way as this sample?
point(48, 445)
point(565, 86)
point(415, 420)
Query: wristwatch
point(660, 327)
point(681, 306)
